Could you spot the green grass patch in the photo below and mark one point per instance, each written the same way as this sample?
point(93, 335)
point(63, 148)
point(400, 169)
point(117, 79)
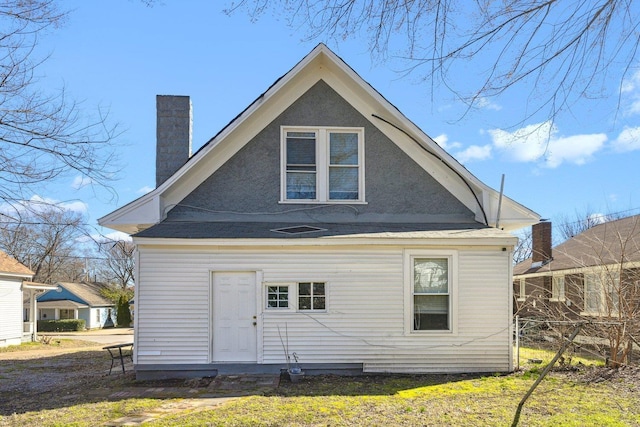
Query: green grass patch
point(423, 400)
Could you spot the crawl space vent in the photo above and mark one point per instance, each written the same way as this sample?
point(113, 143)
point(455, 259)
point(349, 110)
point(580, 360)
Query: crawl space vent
point(300, 229)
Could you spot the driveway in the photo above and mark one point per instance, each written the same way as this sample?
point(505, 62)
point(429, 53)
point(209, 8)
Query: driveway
point(101, 336)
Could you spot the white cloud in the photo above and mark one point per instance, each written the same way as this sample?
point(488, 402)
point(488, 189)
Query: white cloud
point(486, 104)
point(628, 140)
point(113, 236)
point(631, 90)
point(474, 152)
point(75, 205)
point(443, 141)
point(80, 182)
point(144, 190)
point(541, 143)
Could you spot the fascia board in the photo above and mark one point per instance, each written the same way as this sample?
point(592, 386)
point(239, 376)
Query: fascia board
point(370, 103)
point(11, 275)
point(328, 242)
point(187, 178)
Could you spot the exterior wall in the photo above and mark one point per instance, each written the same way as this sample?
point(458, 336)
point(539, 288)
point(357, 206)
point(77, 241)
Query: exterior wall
point(10, 312)
point(397, 188)
point(365, 320)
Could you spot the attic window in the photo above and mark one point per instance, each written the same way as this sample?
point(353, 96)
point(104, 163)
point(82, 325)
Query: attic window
point(322, 165)
point(300, 229)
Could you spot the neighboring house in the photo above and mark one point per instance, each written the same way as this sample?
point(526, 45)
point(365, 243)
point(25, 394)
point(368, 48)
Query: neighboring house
point(14, 281)
point(324, 221)
point(589, 275)
point(77, 301)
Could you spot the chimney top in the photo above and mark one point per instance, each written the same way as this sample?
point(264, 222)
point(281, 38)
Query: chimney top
point(173, 135)
point(541, 242)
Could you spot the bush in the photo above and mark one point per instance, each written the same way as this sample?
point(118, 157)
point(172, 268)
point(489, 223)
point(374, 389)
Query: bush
point(65, 325)
point(123, 317)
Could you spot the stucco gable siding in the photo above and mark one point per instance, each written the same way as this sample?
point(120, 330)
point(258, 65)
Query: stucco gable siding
point(397, 188)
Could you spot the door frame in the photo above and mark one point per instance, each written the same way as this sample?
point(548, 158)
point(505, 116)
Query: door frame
point(258, 275)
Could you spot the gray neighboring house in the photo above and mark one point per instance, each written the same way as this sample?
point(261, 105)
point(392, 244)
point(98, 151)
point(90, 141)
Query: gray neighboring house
point(77, 301)
point(320, 219)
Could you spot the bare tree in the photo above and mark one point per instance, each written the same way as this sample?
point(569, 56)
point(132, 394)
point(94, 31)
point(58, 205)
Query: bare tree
point(117, 268)
point(43, 135)
point(598, 285)
point(563, 51)
point(46, 241)
point(570, 227)
point(524, 248)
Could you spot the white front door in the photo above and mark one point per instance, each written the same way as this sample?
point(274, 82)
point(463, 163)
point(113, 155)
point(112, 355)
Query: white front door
point(234, 317)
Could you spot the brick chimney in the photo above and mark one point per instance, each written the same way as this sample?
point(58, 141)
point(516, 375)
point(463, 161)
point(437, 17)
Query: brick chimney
point(173, 135)
point(541, 240)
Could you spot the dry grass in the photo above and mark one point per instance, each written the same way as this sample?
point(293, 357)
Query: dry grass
point(72, 389)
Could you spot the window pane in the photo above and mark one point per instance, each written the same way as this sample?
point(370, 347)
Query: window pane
point(301, 151)
point(431, 312)
point(318, 289)
point(301, 185)
point(343, 183)
point(304, 289)
point(304, 303)
point(318, 303)
point(343, 148)
point(278, 297)
point(431, 275)
point(592, 293)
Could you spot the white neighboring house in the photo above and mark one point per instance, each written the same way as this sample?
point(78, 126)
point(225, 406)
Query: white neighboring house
point(323, 220)
point(15, 285)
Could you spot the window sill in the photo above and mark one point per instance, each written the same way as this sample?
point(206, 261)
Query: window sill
point(521, 299)
point(327, 202)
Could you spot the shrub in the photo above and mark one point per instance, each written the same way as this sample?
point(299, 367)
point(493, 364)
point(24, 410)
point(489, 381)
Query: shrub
point(64, 325)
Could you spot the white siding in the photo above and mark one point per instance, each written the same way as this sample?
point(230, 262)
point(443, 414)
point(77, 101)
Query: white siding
point(365, 317)
point(10, 312)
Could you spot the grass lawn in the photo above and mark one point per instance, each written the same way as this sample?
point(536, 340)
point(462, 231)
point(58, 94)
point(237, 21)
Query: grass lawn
point(589, 396)
point(425, 401)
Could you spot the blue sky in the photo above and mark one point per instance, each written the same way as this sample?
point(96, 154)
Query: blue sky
point(119, 54)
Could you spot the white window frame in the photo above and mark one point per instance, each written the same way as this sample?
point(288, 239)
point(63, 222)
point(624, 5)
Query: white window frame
point(326, 296)
point(452, 259)
point(605, 293)
point(291, 295)
point(558, 293)
point(322, 164)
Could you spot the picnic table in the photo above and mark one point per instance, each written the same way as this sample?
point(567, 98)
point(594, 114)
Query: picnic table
point(119, 352)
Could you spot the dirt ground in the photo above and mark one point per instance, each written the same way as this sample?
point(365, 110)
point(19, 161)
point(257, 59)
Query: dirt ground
point(54, 377)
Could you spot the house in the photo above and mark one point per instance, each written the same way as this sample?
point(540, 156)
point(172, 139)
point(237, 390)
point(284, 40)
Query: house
point(77, 301)
point(323, 221)
point(588, 276)
point(14, 282)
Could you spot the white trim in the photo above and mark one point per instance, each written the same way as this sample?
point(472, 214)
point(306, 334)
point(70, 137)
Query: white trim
point(322, 164)
point(320, 64)
point(265, 302)
point(452, 257)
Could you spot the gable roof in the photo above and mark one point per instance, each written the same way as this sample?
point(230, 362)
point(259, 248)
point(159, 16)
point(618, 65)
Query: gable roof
point(321, 64)
point(11, 267)
point(88, 293)
point(605, 244)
